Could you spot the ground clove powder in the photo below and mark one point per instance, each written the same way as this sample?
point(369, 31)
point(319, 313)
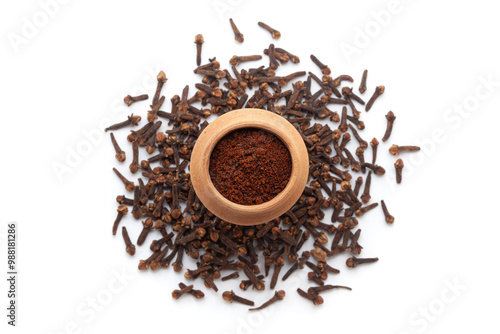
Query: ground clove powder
point(250, 166)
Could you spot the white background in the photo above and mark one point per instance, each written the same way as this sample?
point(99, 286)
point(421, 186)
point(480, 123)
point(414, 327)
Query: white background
point(71, 74)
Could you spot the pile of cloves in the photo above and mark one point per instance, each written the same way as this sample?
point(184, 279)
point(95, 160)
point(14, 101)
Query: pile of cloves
point(164, 200)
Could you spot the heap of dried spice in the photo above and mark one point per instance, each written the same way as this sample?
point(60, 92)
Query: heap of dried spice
point(164, 200)
point(250, 166)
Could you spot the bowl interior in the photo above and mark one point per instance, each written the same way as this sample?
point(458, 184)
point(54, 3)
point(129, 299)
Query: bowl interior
point(239, 126)
point(258, 213)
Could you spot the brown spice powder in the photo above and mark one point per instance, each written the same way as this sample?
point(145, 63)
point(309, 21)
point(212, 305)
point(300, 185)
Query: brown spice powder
point(250, 166)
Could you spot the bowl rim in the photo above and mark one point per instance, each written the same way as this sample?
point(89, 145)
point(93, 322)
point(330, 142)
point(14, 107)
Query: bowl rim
point(248, 214)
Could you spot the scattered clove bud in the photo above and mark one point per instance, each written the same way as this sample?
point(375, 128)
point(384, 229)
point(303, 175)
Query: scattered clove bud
point(274, 33)
point(324, 68)
point(352, 262)
point(128, 184)
point(132, 120)
point(396, 150)
point(378, 91)
point(161, 78)
point(390, 122)
point(134, 165)
point(362, 143)
point(198, 39)
point(236, 60)
point(122, 211)
point(120, 155)
point(365, 197)
point(278, 295)
point(378, 170)
point(362, 86)
point(176, 294)
point(230, 296)
point(131, 99)
point(316, 290)
point(230, 276)
point(388, 218)
point(237, 34)
point(399, 170)
point(365, 209)
point(196, 293)
point(315, 298)
point(130, 248)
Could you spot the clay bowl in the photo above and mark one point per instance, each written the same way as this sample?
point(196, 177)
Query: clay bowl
point(248, 214)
